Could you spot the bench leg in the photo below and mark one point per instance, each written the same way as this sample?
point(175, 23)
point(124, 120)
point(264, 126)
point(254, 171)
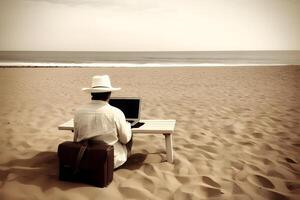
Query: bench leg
point(169, 147)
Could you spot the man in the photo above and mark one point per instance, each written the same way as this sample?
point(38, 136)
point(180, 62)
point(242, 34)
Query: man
point(100, 121)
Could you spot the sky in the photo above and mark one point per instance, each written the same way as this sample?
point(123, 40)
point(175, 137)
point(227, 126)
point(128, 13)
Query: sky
point(149, 25)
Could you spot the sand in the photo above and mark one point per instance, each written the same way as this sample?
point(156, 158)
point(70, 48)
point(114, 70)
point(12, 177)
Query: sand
point(237, 133)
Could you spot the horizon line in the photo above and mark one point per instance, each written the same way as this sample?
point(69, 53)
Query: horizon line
point(145, 51)
point(132, 65)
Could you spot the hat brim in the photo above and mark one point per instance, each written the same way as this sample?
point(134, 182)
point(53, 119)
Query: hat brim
point(99, 90)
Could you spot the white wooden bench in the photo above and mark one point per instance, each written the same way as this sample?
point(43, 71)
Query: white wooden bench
point(165, 127)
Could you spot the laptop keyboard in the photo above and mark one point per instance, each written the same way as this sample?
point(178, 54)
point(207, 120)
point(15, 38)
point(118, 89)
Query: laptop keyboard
point(137, 125)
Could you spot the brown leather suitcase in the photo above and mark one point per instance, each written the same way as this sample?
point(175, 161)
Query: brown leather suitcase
point(90, 162)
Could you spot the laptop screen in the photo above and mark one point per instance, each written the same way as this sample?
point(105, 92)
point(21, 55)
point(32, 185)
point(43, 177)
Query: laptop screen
point(129, 106)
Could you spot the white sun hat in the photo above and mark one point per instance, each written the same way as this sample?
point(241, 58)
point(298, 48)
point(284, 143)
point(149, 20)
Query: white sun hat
point(100, 84)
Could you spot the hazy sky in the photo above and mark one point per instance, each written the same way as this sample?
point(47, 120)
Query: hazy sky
point(149, 25)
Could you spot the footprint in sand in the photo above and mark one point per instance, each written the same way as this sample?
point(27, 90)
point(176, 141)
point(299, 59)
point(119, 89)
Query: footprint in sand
point(257, 135)
point(275, 173)
point(246, 143)
point(261, 181)
point(237, 165)
point(290, 160)
point(212, 192)
point(229, 130)
point(296, 144)
point(210, 182)
point(183, 179)
point(267, 147)
point(265, 188)
point(196, 191)
point(293, 186)
point(149, 170)
point(195, 137)
point(253, 167)
point(236, 189)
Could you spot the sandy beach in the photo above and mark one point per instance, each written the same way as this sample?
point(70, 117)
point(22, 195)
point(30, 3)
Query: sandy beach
point(237, 134)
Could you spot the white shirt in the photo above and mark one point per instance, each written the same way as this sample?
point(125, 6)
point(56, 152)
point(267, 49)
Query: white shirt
point(101, 121)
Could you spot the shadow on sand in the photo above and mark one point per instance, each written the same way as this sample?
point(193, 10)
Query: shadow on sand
point(42, 171)
point(134, 162)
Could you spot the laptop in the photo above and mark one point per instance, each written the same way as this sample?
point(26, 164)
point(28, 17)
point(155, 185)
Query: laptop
point(130, 106)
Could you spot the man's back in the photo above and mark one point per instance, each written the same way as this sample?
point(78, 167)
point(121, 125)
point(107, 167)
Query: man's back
point(94, 119)
point(98, 120)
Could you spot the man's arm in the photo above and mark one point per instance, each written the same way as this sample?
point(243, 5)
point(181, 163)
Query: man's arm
point(123, 128)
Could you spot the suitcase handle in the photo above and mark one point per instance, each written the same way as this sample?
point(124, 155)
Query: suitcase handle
point(80, 155)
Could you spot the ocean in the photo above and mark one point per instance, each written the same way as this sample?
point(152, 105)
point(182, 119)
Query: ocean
point(147, 59)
